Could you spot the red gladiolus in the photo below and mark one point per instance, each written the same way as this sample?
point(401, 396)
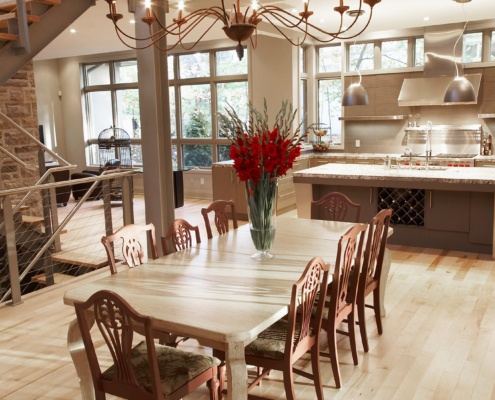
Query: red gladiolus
point(259, 152)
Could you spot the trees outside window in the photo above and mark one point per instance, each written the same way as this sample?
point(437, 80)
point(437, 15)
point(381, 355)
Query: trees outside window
point(206, 83)
point(197, 91)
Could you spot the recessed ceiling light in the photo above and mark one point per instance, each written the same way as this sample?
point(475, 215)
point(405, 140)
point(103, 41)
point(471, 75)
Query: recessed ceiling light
point(72, 30)
point(132, 21)
point(355, 13)
point(322, 20)
point(426, 18)
point(294, 11)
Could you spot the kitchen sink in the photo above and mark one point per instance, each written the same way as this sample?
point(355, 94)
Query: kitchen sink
point(423, 168)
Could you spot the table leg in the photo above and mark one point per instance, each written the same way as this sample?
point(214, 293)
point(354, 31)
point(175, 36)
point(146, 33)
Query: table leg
point(79, 358)
point(236, 371)
point(387, 261)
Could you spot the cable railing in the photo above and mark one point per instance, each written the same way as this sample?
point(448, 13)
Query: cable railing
point(39, 251)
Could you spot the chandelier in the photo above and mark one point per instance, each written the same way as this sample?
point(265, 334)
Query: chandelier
point(240, 26)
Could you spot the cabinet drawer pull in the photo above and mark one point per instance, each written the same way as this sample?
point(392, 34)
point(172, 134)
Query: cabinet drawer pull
point(431, 197)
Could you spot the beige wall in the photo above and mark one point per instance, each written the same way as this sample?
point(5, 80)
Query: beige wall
point(273, 74)
point(49, 104)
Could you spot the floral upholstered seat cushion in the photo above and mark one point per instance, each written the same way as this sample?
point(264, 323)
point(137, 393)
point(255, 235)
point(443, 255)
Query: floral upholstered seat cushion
point(270, 342)
point(176, 367)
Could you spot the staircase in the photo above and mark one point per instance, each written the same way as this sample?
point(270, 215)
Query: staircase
point(27, 26)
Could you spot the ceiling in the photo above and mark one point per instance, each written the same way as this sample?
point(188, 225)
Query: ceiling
point(94, 33)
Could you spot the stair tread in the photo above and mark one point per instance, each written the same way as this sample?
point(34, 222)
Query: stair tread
point(32, 220)
point(81, 257)
point(57, 277)
point(7, 36)
point(4, 19)
point(61, 232)
point(22, 208)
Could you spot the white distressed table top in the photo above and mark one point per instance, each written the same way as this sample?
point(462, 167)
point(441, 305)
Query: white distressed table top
point(215, 291)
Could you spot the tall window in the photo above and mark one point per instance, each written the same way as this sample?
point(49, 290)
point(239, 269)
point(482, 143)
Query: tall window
point(330, 91)
point(492, 50)
point(112, 99)
point(201, 85)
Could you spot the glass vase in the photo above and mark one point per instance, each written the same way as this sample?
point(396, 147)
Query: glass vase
point(261, 203)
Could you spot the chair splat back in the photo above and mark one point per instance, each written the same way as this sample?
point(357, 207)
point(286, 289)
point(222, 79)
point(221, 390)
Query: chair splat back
point(219, 207)
point(132, 249)
point(375, 246)
point(306, 290)
point(335, 206)
point(347, 269)
point(180, 235)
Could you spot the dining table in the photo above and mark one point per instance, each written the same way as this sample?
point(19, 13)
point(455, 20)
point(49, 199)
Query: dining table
point(215, 292)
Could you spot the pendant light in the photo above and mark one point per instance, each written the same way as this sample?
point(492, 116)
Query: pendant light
point(355, 94)
point(460, 90)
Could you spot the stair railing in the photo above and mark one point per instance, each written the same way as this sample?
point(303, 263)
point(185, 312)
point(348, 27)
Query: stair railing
point(16, 277)
point(45, 177)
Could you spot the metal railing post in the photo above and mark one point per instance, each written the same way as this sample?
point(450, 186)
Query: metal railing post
point(9, 226)
point(127, 200)
point(107, 207)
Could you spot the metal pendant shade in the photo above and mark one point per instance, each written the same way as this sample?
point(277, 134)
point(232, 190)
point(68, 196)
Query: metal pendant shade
point(459, 90)
point(355, 95)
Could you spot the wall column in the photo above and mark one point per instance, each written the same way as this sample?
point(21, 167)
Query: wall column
point(155, 127)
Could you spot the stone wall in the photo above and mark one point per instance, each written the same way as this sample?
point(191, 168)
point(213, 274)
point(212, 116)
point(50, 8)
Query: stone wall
point(18, 102)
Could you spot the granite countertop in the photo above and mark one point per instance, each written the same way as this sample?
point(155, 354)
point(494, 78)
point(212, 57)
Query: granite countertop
point(354, 156)
point(377, 173)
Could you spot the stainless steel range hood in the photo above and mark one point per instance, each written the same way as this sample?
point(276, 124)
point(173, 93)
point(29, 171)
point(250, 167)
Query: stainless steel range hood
point(441, 66)
point(431, 91)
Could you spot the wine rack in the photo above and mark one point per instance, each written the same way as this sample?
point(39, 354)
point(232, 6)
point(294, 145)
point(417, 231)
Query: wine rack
point(408, 205)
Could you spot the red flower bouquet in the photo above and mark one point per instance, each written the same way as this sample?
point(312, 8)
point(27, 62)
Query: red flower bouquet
point(258, 151)
point(260, 155)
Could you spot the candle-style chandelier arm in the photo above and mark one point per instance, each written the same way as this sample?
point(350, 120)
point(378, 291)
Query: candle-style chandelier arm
point(301, 23)
point(191, 19)
point(239, 26)
point(181, 36)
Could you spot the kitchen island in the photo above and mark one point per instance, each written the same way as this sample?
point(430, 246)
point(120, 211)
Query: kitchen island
point(448, 208)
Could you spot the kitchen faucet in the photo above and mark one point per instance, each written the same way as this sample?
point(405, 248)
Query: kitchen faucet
point(429, 127)
point(409, 152)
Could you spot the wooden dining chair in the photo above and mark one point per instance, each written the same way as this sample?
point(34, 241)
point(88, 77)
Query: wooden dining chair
point(219, 208)
point(341, 298)
point(133, 254)
point(146, 371)
point(290, 338)
point(132, 249)
point(369, 281)
point(179, 234)
point(335, 206)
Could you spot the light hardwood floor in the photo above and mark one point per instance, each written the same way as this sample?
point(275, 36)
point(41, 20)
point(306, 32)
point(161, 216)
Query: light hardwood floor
point(438, 341)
